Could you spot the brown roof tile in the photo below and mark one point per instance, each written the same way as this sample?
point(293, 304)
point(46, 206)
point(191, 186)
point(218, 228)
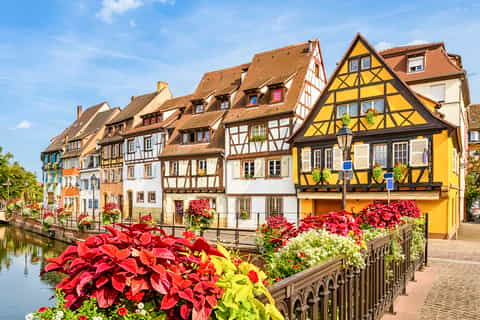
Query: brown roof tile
point(152, 127)
point(438, 63)
point(135, 106)
point(96, 124)
point(219, 82)
point(202, 120)
point(174, 103)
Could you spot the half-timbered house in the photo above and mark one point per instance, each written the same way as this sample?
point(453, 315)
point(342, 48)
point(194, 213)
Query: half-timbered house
point(112, 144)
point(276, 94)
point(192, 161)
point(394, 130)
point(143, 145)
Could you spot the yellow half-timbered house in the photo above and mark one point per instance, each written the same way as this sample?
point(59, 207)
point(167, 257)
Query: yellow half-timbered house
point(394, 130)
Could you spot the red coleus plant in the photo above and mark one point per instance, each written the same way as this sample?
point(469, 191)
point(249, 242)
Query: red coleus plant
point(276, 232)
point(48, 214)
point(134, 264)
point(407, 208)
point(380, 215)
point(338, 222)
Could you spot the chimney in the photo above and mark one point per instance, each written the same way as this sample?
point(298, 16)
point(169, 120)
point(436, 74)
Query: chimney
point(161, 85)
point(79, 111)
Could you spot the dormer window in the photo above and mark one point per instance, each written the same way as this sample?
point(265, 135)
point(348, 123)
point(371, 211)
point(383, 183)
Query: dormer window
point(199, 108)
point(277, 95)
point(224, 104)
point(197, 136)
point(252, 100)
point(416, 64)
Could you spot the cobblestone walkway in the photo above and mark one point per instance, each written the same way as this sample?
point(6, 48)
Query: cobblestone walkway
point(449, 289)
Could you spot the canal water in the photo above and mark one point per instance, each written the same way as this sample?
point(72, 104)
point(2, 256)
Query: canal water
point(22, 256)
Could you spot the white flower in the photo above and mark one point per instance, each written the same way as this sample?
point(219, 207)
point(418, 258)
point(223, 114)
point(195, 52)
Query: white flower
point(140, 305)
point(97, 318)
point(59, 315)
point(142, 312)
point(29, 316)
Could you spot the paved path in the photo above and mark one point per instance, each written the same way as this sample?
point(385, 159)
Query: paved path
point(449, 289)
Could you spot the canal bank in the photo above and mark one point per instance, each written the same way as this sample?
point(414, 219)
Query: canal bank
point(23, 255)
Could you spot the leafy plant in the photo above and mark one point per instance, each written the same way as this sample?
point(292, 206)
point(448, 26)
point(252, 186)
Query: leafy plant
point(380, 215)
point(133, 265)
point(274, 234)
point(317, 175)
point(244, 215)
point(399, 171)
point(377, 172)
point(326, 174)
point(84, 221)
point(199, 215)
point(242, 283)
point(258, 138)
point(48, 220)
point(417, 245)
point(396, 254)
point(370, 116)
point(110, 213)
point(346, 119)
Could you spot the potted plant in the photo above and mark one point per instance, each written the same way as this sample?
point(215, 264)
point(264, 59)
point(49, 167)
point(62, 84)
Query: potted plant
point(370, 116)
point(110, 213)
point(147, 219)
point(201, 172)
point(317, 175)
point(199, 215)
point(399, 171)
point(63, 215)
point(346, 119)
point(84, 222)
point(48, 220)
point(377, 172)
point(258, 138)
point(326, 174)
point(244, 215)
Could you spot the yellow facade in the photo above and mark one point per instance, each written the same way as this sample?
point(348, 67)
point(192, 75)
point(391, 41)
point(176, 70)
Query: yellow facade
point(393, 129)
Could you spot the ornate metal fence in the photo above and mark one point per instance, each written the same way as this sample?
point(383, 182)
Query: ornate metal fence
point(332, 292)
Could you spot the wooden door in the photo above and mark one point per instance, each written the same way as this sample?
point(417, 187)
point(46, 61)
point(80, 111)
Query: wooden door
point(179, 209)
point(130, 204)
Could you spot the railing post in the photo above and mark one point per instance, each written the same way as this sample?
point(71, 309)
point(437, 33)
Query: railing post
point(426, 240)
point(218, 226)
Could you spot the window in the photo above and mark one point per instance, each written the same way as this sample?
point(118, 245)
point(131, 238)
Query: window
point(152, 197)
point(418, 152)
point(248, 169)
point(252, 99)
point(131, 172)
point(148, 171)
point(317, 70)
point(140, 196)
point(274, 168)
point(120, 174)
point(174, 168)
point(274, 206)
point(130, 146)
point(243, 207)
point(353, 65)
point(199, 108)
point(380, 155)
point(258, 132)
point(277, 95)
point(350, 108)
point(201, 167)
point(361, 156)
point(317, 158)
point(147, 143)
point(438, 92)
point(474, 136)
point(306, 160)
point(90, 203)
point(400, 153)
point(203, 136)
point(378, 105)
point(95, 203)
point(365, 63)
point(224, 104)
point(114, 151)
point(416, 64)
point(328, 158)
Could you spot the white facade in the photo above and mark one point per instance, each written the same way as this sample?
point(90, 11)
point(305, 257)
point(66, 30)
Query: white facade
point(90, 188)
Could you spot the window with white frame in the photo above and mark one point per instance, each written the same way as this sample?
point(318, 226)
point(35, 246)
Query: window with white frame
point(148, 171)
point(317, 158)
point(274, 206)
point(130, 146)
point(328, 158)
point(258, 131)
point(437, 92)
point(224, 104)
point(361, 156)
point(377, 105)
point(353, 65)
point(474, 136)
point(365, 63)
point(306, 158)
point(147, 143)
point(140, 196)
point(348, 108)
point(244, 207)
point(380, 155)
point(274, 168)
point(249, 169)
point(199, 108)
point(416, 64)
point(152, 197)
point(400, 153)
point(418, 152)
point(131, 172)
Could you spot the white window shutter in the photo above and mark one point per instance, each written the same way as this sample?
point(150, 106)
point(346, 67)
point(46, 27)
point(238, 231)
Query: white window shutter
point(418, 152)
point(182, 167)
point(361, 156)
point(236, 169)
point(337, 155)
point(259, 167)
point(306, 159)
point(194, 167)
point(167, 168)
point(211, 166)
point(285, 166)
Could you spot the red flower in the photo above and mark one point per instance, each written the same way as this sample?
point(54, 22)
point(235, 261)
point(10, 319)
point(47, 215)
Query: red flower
point(189, 234)
point(253, 276)
point(296, 266)
point(122, 311)
point(42, 310)
point(82, 317)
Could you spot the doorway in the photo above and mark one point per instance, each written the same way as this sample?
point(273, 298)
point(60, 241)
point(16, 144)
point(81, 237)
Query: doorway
point(178, 211)
point(130, 203)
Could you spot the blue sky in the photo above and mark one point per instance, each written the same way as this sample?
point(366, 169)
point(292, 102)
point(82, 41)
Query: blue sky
point(57, 54)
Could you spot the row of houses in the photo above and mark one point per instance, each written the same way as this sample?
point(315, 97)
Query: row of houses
point(253, 138)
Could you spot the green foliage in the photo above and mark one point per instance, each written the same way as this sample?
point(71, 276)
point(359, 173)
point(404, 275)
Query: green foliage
point(312, 248)
point(370, 116)
point(317, 175)
point(22, 182)
point(396, 254)
point(377, 172)
point(242, 283)
point(371, 233)
point(346, 119)
point(398, 171)
point(90, 310)
point(326, 174)
point(472, 191)
point(258, 138)
point(418, 236)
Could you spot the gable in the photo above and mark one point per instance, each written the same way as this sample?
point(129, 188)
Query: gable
point(375, 99)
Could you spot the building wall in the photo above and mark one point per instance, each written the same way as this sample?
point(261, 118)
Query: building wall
point(169, 205)
point(88, 195)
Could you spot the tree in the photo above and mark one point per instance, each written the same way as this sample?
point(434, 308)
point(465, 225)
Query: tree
point(16, 182)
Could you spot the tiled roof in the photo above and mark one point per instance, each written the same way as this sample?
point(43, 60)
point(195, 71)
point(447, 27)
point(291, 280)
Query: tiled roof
point(270, 68)
point(96, 124)
point(202, 120)
point(438, 63)
point(174, 103)
point(162, 124)
point(135, 106)
point(474, 116)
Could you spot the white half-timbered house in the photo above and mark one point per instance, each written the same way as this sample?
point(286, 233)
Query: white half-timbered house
point(277, 92)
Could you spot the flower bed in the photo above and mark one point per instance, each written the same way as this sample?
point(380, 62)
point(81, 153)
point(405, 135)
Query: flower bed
point(199, 215)
point(110, 213)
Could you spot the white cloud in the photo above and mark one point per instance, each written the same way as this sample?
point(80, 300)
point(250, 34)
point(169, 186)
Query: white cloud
point(112, 7)
point(24, 124)
point(415, 42)
point(132, 23)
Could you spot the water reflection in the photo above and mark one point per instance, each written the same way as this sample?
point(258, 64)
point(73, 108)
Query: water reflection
point(22, 256)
